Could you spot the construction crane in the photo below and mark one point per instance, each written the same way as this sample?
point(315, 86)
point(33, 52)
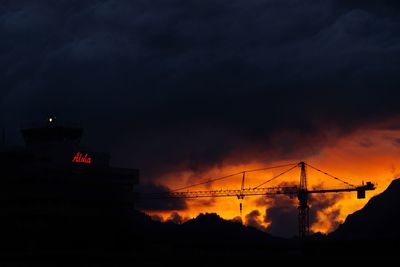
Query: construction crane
point(301, 192)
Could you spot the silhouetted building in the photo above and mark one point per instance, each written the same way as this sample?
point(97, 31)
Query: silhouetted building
point(54, 192)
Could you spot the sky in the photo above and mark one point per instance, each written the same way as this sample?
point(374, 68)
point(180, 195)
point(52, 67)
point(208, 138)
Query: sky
point(190, 90)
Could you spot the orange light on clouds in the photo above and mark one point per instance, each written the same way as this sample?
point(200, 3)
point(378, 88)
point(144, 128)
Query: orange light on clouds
point(370, 155)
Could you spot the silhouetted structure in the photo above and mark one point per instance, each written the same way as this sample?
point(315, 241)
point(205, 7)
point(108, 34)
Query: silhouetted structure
point(301, 191)
point(54, 195)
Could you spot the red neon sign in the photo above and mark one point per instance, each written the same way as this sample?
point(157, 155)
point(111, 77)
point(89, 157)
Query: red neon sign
point(82, 158)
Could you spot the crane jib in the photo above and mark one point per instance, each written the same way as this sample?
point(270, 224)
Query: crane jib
point(301, 191)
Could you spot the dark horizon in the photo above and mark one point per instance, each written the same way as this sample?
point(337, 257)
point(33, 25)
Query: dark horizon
point(196, 90)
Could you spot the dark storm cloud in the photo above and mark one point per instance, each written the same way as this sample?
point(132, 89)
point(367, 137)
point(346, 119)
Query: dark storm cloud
point(282, 216)
point(383, 7)
point(282, 212)
point(366, 143)
point(175, 217)
point(322, 204)
point(157, 218)
point(253, 219)
point(150, 198)
point(171, 85)
point(396, 141)
point(237, 219)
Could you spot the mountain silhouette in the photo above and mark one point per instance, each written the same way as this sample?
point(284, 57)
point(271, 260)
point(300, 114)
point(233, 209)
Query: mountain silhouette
point(211, 226)
point(207, 237)
point(208, 228)
point(379, 219)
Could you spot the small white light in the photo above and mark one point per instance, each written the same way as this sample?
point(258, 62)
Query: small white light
point(50, 119)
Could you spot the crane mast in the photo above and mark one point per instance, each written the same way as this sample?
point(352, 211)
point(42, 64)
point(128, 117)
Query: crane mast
point(304, 224)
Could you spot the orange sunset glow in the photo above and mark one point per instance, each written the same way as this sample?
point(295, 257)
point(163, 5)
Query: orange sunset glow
point(370, 155)
point(145, 133)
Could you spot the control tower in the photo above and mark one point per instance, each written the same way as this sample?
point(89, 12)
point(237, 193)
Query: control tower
point(55, 192)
